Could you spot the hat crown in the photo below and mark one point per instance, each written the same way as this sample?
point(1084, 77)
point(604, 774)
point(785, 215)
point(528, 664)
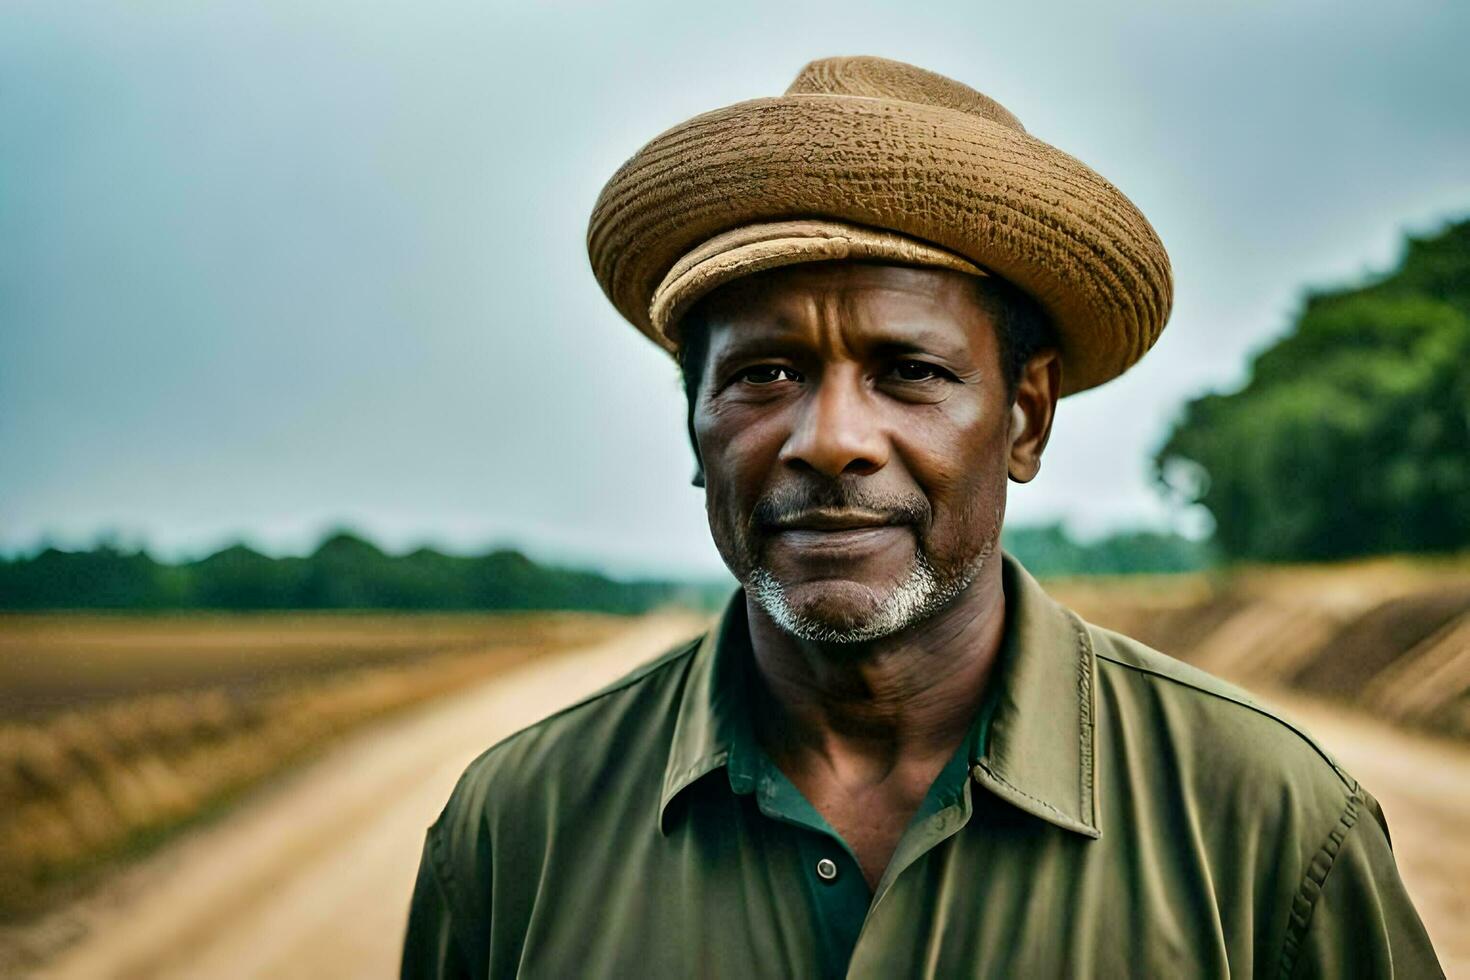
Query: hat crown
point(881, 78)
point(866, 147)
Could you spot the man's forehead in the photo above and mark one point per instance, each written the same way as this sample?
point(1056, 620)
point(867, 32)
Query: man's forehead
point(910, 303)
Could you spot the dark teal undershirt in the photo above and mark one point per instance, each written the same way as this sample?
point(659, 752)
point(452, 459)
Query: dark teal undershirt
point(840, 906)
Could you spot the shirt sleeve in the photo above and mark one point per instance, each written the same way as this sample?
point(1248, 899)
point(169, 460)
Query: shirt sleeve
point(1361, 922)
point(430, 946)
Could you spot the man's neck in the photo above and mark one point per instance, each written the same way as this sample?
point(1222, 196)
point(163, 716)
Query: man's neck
point(863, 710)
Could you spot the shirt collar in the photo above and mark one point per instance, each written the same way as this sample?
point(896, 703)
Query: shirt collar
point(1039, 748)
point(706, 727)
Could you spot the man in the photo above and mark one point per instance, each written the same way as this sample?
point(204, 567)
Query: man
point(895, 755)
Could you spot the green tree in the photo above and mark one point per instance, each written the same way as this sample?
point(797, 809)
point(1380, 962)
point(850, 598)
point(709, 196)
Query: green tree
point(1352, 435)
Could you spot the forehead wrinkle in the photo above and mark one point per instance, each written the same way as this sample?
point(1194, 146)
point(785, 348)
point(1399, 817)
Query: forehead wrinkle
point(790, 315)
point(915, 330)
point(836, 312)
point(770, 321)
point(832, 318)
point(843, 326)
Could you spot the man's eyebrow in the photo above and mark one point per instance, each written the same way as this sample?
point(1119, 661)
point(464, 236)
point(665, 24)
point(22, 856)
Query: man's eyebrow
point(775, 341)
point(757, 342)
point(916, 339)
point(926, 343)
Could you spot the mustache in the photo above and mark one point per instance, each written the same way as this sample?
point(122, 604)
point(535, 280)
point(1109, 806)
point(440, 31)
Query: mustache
point(781, 507)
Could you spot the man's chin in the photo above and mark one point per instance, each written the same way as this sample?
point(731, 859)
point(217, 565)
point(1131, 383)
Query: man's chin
point(839, 604)
point(845, 610)
point(839, 610)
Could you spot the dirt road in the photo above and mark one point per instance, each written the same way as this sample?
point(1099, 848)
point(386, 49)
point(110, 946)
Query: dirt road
point(311, 878)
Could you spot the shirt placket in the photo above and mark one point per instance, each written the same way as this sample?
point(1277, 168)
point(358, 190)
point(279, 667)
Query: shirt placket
point(837, 892)
point(890, 898)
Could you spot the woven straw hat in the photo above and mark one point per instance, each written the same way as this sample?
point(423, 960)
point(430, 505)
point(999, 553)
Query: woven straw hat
point(865, 158)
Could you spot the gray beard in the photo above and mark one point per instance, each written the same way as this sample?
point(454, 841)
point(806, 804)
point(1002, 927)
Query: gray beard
point(920, 595)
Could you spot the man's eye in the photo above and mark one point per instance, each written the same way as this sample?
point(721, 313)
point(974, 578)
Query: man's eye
point(765, 374)
point(917, 371)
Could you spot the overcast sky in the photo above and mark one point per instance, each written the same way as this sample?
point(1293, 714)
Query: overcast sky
point(268, 267)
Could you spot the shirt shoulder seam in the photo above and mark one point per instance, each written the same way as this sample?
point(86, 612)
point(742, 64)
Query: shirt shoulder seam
point(1348, 781)
point(1314, 880)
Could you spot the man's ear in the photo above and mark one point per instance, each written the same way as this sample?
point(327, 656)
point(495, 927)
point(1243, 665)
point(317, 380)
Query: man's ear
point(1037, 391)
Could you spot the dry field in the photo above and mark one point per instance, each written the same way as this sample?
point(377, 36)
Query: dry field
point(1390, 637)
point(116, 731)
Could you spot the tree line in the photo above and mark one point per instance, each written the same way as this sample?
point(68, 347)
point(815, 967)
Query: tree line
point(1352, 435)
point(349, 572)
point(345, 572)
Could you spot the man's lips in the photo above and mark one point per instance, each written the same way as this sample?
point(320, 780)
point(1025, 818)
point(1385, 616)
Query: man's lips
point(833, 521)
point(837, 534)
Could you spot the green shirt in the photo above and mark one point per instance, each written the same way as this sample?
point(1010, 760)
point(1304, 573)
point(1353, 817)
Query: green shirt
point(1120, 815)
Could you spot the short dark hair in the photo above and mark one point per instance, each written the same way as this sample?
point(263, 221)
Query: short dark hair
point(1022, 328)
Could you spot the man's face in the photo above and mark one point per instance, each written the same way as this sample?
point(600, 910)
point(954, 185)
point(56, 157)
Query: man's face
point(856, 436)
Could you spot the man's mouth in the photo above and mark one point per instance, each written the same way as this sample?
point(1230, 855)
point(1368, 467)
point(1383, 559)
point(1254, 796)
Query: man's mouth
point(833, 534)
point(832, 520)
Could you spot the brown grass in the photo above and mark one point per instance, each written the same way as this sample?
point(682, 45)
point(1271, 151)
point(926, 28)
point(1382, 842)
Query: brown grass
point(119, 730)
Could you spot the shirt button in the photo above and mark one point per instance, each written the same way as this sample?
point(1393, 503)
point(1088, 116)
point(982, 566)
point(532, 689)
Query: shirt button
point(827, 869)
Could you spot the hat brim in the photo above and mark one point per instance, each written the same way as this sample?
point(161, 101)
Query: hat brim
point(995, 196)
point(770, 245)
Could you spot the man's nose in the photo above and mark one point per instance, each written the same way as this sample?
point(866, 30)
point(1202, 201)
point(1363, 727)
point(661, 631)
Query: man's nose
point(838, 429)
